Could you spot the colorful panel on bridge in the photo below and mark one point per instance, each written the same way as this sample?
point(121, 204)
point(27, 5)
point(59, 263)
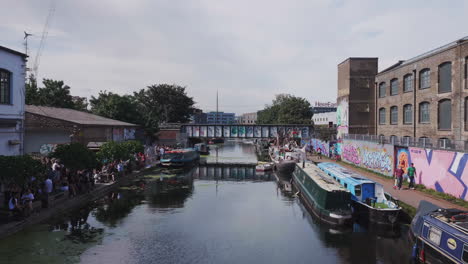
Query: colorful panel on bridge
point(246, 131)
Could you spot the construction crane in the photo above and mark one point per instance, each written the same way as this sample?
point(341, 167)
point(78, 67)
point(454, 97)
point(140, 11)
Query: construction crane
point(45, 33)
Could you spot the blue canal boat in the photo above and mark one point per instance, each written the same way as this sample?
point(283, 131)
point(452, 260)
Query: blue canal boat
point(327, 199)
point(180, 157)
point(370, 202)
point(441, 235)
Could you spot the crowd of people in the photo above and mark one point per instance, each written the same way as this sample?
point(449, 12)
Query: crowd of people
point(61, 180)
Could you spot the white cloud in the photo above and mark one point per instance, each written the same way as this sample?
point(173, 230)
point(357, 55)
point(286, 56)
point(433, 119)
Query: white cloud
point(248, 50)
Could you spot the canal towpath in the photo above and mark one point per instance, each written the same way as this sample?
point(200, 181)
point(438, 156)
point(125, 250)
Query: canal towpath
point(407, 196)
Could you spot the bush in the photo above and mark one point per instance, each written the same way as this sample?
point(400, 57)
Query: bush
point(20, 169)
point(119, 150)
point(75, 156)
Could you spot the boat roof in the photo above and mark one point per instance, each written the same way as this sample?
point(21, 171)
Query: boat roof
point(445, 218)
point(321, 178)
point(339, 171)
point(180, 150)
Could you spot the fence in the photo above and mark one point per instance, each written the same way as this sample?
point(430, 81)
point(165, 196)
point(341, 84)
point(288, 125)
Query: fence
point(446, 144)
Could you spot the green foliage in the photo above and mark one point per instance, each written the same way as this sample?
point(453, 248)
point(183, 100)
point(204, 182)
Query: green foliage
point(54, 93)
point(118, 107)
point(20, 169)
point(111, 151)
point(75, 156)
point(286, 109)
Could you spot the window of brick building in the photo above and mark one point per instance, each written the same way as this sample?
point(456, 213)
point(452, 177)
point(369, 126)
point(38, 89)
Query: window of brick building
point(394, 87)
point(393, 139)
point(408, 114)
point(393, 115)
point(406, 140)
point(424, 113)
point(382, 90)
point(445, 77)
point(382, 113)
point(424, 142)
point(424, 79)
point(445, 114)
point(5, 87)
point(408, 83)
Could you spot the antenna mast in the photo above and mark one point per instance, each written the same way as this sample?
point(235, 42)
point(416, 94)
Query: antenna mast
point(45, 33)
point(216, 107)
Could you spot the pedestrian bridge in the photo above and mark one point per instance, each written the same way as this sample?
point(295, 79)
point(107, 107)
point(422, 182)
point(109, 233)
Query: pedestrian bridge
point(246, 131)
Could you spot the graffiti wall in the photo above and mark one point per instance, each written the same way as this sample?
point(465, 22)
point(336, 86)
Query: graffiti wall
point(369, 155)
point(402, 158)
point(342, 118)
point(322, 145)
point(441, 170)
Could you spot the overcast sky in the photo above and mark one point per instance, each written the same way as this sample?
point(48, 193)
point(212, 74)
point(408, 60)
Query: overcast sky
point(249, 50)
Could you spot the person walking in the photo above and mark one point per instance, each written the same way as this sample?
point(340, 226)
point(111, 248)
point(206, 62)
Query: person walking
point(399, 177)
point(411, 175)
point(319, 153)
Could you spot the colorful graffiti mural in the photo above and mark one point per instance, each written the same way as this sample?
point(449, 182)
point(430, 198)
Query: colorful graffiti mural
point(441, 170)
point(322, 145)
point(378, 158)
point(342, 118)
point(402, 158)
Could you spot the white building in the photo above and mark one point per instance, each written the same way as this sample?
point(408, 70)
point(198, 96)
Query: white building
point(324, 118)
point(248, 118)
point(12, 101)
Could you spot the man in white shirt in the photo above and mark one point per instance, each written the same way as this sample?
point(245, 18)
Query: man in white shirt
point(47, 190)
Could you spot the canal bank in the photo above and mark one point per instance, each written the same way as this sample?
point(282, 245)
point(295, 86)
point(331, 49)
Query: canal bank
point(61, 204)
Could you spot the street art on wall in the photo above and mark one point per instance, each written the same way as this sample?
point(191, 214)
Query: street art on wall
point(188, 130)
point(129, 133)
point(218, 131)
point(241, 131)
point(342, 118)
point(257, 131)
point(249, 131)
point(211, 131)
point(233, 131)
point(402, 158)
point(265, 131)
point(378, 158)
point(273, 131)
point(322, 145)
point(227, 131)
point(196, 131)
point(443, 171)
point(203, 130)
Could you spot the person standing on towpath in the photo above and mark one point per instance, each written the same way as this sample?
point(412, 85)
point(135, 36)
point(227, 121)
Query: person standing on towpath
point(411, 175)
point(399, 177)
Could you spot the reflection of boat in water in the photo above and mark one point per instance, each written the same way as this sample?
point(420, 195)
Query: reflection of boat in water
point(370, 202)
point(327, 199)
point(441, 234)
point(179, 157)
point(231, 172)
point(202, 148)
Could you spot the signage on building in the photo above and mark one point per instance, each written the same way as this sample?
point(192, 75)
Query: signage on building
point(327, 104)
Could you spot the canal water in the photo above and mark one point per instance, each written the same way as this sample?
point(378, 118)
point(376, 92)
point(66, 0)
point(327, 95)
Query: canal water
point(217, 214)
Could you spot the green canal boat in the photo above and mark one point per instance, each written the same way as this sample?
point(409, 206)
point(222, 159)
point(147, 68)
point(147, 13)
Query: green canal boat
point(327, 199)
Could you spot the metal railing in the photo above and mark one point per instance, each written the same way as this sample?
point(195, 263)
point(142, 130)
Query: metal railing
point(455, 145)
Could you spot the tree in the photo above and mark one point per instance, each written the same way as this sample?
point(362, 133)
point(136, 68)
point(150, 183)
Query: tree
point(112, 150)
point(75, 156)
point(286, 109)
point(54, 93)
point(165, 103)
point(118, 107)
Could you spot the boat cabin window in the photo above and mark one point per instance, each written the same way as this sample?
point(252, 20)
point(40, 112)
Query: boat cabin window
point(346, 185)
point(357, 190)
point(465, 254)
point(434, 235)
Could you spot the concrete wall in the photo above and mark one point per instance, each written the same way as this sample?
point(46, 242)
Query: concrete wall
point(369, 155)
point(35, 140)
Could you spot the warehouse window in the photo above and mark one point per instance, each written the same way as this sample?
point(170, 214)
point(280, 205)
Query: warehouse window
point(424, 116)
point(382, 90)
point(445, 77)
point(445, 114)
point(424, 79)
point(394, 87)
point(5, 87)
point(408, 83)
point(393, 115)
point(382, 113)
point(408, 114)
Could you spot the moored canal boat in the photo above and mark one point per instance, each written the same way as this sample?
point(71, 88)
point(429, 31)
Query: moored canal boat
point(370, 202)
point(180, 157)
point(284, 162)
point(202, 148)
point(327, 199)
point(441, 235)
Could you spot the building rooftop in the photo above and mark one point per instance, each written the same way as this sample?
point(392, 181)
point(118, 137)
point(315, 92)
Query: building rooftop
point(74, 116)
point(426, 54)
point(13, 51)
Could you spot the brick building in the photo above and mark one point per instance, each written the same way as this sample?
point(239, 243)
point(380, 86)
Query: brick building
point(355, 102)
point(425, 99)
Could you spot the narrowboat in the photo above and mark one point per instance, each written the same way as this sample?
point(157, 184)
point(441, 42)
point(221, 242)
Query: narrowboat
point(202, 148)
point(327, 199)
point(264, 167)
point(440, 235)
point(370, 202)
point(179, 157)
point(284, 162)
